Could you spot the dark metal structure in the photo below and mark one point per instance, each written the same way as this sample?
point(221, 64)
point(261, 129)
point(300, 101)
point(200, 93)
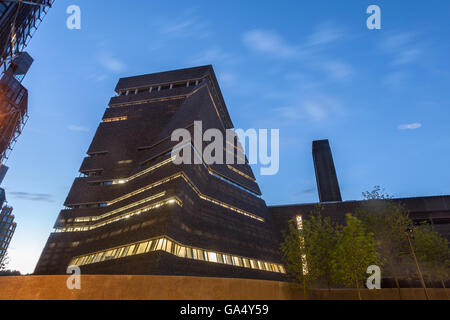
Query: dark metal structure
point(7, 228)
point(327, 182)
point(13, 103)
point(18, 22)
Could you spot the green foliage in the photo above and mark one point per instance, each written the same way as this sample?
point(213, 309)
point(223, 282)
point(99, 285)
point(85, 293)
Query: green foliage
point(320, 243)
point(4, 262)
point(6, 273)
point(355, 251)
point(376, 194)
point(293, 251)
point(387, 221)
point(432, 252)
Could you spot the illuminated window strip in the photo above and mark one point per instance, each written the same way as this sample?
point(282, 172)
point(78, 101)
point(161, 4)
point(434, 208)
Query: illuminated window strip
point(156, 166)
point(121, 217)
point(115, 119)
point(107, 214)
point(240, 172)
point(222, 204)
point(182, 175)
point(237, 156)
point(299, 222)
point(217, 175)
point(150, 186)
point(170, 246)
point(173, 177)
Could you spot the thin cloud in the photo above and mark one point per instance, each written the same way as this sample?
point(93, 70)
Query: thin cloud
point(272, 43)
point(403, 47)
point(315, 109)
point(396, 80)
point(325, 34)
point(338, 70)
point(108, 61)
point(269, 42)
point(214, 56)
point(303, 192)
point(73, 127)
point(43, 197)
point(410, 126)
point(226, 77)
point(189, 24)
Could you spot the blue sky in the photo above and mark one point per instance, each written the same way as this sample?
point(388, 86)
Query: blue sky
point(311, 69)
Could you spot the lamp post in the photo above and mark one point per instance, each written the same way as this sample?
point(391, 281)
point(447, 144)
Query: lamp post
point(409, 232)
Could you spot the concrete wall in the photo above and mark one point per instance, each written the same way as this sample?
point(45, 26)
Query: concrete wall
point(114, 287)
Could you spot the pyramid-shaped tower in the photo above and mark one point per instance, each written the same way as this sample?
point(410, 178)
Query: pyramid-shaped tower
point(134, 211)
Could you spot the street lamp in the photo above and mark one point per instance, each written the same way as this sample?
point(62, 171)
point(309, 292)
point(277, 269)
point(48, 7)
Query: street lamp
point(409, 234)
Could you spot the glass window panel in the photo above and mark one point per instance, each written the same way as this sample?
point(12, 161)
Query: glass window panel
point(141, 248)
point(195, 254)
point(169, 246)
point(153, 244)
point(237, 261)
point(212, 256)
point(147, 247)
point(182, 252)
point(159, 244)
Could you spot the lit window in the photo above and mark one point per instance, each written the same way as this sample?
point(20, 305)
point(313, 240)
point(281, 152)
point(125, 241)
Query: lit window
point(115, 119)
point(212, 256)
point(299, 221)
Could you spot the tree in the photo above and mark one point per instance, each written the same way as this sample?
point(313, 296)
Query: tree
point(293, 250)
point(319, 235)
point(355, 251)
point(433, 254)
point(387, 221)
point(4, 262)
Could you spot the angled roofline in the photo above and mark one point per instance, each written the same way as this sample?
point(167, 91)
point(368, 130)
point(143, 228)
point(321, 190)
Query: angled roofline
point(178, 75)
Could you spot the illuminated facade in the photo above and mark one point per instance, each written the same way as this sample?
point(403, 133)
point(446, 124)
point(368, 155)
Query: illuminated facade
point(133, 211)
point(18, 22)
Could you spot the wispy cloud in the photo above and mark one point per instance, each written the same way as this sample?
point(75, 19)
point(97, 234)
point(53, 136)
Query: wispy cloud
point(315, 109)
point(226, 77)
point(272, 43)
point(187, 24)
point(214, 56)
point(269, 42)
point(325, 33)
point(403, 47)
point(410, 126)
point(338, 70)
point(44, 197)
point(73, 127)
point(306, 191)
point(309, 53)
point(108, 61)
point(396, 80)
